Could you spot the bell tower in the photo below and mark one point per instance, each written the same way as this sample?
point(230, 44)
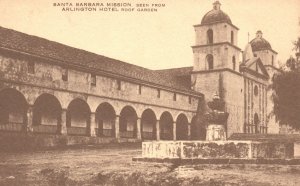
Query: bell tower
point(216, 42)
point(216, 64)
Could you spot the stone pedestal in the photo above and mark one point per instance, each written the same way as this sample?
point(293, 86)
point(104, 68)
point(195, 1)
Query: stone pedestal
point(215, 132)
point(217, 119)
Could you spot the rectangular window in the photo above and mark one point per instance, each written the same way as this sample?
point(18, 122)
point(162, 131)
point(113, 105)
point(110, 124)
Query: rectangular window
point(30, 67)
point(158, 93)
point(190, 100)
point(140, 89)
point(174, 97)
point(64, 76)
point(93, 79)
point(119, 84)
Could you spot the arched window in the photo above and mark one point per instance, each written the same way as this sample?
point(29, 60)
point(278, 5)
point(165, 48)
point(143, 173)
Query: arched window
point(210, 61)
point(233, 62)
point(232, 37)
point(210, 36)
point(272, 60)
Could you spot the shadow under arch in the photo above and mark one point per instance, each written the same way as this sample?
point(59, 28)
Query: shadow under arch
point(148, 125)
point(105, 120)
point(13, 110)
point(128, 122)
point(78, 118)
point(166, 126)
point(47, 112)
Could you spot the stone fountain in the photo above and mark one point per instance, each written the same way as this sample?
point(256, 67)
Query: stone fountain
point(216, 148)
point(216, 119)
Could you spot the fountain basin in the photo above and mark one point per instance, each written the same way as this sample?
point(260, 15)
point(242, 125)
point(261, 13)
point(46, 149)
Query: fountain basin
point(217, 150)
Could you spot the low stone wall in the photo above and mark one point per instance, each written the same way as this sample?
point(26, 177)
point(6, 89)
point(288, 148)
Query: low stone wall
point(217, 150)
point(24, 141)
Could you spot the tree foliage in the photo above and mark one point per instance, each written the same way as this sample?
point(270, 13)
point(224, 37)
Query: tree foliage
point(286, 96)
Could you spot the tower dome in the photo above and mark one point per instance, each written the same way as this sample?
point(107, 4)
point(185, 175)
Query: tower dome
point(259, 43)
point(216, 15)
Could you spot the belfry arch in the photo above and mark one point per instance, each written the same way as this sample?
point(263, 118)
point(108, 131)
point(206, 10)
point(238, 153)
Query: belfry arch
point(210, 36)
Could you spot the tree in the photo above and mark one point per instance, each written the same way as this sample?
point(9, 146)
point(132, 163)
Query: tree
point(291, 63)
point(286, 96)
point(297, 48)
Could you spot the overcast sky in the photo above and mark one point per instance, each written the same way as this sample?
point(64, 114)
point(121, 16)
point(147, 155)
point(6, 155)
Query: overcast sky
point(153, 40)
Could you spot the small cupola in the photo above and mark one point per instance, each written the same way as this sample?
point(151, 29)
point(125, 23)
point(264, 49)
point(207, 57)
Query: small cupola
point(259, 34)
point(217, 5)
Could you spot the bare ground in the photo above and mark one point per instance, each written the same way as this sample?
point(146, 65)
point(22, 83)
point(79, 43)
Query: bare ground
point(113, 165)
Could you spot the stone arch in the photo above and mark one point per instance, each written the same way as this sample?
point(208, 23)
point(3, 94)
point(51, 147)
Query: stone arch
point(210, 61)
point(13, 110)
point(148, 125)
point(182, 127)
point(166, 126)
point(210, 36)
point(78, 117)
point(128, 122)
point(105, 116)
point(46, 114)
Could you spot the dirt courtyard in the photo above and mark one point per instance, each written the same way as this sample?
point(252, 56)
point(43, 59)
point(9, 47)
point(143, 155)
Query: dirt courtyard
point(113, 165)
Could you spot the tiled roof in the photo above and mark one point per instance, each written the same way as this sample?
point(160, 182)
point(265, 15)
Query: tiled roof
point(183, 71)
point(248, 63)
point(33, 45)
point(181, 75)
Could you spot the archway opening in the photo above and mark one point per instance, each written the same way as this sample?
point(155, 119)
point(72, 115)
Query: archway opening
point(166, 126)
point(78, 118)
point(13, 110)
point(46, 114)
point(148, 125)
point(128, 122)
point(105, 120)
point(210, 61)
point(182, 127)
point(210, 36)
